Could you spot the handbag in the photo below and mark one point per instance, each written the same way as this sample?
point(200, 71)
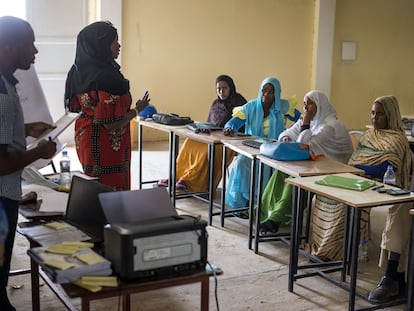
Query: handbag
point(287, 151)
point(171, 119)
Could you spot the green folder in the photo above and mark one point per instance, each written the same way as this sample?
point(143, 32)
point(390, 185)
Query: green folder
point(346, 182)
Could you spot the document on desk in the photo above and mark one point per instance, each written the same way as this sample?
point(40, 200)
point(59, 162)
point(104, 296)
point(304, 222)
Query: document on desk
point(47, 236)
point(51, 200)
point(61, 125)
point(65, 269)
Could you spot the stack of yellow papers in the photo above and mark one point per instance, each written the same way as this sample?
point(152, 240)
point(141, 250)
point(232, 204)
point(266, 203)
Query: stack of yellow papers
point(95, 283)
point(55, 225)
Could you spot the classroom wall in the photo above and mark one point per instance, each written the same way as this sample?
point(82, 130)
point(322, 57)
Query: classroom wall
point(383, 31)
point(176, 49)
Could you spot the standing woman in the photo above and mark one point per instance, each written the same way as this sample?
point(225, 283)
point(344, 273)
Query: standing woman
point(96, 87)
point(192, 161)
point(264, 117)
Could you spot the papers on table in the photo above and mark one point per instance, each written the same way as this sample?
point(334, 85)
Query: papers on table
point(47, 235)
point(51, 200)
point(64, 268)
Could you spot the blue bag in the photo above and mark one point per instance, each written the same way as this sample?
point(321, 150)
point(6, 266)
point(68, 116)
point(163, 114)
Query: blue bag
point(286, 151)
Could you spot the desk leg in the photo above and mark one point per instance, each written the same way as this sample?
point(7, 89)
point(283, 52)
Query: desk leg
point(85, 304)
point(223, 187)
point(259, 205)
point(354, 258)
point(410, 293)
point(126, 302)
point(174, 145)
point(205, 289)
point(139, 156)
point(34, 276)
point(211, 152)
point(294, 246)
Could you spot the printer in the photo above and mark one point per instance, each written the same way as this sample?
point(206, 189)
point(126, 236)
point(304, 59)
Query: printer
point(156, 247)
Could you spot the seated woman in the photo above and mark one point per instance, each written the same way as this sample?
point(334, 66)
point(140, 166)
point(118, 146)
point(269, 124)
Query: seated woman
point(386, 143)
point(325, 134)
point(264, 117)
point(380, 146)
point(192, 160)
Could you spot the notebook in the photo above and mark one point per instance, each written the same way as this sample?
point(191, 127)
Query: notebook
point(137, 205)
point(257, 142)
point(84, 210)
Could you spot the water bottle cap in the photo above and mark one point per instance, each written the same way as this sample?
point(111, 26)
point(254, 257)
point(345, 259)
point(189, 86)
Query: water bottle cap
point(64, 153)
point(363, 241)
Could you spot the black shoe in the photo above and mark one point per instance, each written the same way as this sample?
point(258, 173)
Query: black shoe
point(269, 226)
point(386, 290)
point(242, 215)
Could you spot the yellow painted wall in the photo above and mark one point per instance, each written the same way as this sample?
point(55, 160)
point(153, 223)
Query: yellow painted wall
point(175, 49)
point(384, 33)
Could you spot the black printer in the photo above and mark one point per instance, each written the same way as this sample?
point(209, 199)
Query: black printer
point(157, 247)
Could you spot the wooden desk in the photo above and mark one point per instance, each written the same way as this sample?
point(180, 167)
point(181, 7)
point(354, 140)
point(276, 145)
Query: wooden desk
point(213, 139)
point(160, 127)
point(320, 166)
point(251, 153)
point(65, 292)
point(353, 199)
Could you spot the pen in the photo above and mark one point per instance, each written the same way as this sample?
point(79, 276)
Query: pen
point(377, 187)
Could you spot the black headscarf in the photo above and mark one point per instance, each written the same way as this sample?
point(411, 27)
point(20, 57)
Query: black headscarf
point(221, 110)
point(95, 68)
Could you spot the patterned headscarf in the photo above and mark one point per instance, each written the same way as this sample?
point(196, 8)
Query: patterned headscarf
point(379, 145)
point(392, 112)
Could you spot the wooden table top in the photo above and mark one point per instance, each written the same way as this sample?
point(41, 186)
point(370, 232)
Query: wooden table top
point(366, 198)
point(320, 166)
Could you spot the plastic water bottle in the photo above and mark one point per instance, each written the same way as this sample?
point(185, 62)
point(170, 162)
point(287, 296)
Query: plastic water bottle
point(362, 256)
point(389, 176)
point(65, 176)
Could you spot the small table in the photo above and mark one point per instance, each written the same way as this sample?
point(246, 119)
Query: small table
point(67, 291)
point(320, 166)
point(160, 127)
point(251, 153)
point(213, 139)
point(357, 200)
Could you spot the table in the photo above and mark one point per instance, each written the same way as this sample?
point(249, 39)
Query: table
point(354, 200)
point(320, 166)
point(67, 291)
point(212, 140)
point(160, 127)
point(251, 153)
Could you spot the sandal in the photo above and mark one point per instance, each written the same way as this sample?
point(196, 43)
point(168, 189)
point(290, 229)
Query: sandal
point(162, 183)
point(269, 226)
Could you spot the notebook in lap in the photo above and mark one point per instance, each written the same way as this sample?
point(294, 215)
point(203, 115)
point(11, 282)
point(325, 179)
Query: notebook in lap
point(137, 205)
point(84, 210)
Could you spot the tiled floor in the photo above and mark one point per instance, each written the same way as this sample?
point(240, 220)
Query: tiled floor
point(249, 282)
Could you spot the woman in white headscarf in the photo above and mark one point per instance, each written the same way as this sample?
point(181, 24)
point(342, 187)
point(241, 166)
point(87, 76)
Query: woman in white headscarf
point(318, 127)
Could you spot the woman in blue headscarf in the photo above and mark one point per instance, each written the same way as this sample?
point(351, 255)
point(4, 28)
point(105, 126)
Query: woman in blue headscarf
point(264, 117)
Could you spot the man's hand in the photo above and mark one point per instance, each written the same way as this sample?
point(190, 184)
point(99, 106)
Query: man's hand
point(47, 149)
point(36, 129)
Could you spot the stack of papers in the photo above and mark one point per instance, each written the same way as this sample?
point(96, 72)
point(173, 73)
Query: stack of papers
point(66, 263)
point(54, 233)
